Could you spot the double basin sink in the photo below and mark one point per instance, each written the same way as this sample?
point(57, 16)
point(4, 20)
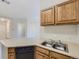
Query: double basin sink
point(56, 45)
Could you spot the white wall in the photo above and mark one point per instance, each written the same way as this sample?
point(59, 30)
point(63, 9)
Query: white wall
point(61, 32)
point(48, 3)
point(4, 52)
point(33, 28)
point(14, 32)
point(4, 28)
point(78, 33)
point(33, 20)
point(0, 52)
point(25, 11)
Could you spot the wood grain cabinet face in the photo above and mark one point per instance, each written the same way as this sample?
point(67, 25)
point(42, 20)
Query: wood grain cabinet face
point(47, 16)
point(11, 53)
point(54, 55)
point(42, 18)
point(67, 12)
point(39, 55)
point(42, 50)
point(11, 56)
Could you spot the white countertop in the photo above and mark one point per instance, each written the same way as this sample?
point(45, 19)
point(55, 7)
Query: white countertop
point(19, 42)
point(72, 47)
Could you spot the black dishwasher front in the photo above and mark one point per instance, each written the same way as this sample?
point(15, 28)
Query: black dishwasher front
point(25, 52)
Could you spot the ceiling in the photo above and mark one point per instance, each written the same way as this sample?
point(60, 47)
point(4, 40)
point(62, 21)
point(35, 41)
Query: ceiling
point(24, 9)
point(20, 9)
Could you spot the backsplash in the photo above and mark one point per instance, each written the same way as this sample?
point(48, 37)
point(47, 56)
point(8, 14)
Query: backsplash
point(61, 32)
point(78, 33)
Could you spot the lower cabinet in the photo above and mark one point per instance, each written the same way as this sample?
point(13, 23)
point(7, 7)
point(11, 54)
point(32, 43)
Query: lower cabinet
point(11, 56)
point(54, 55)
point(34, 53)
point(11, 53)
point(40, 55)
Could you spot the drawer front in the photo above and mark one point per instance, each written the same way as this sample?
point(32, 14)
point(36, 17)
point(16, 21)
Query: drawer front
point(42, 50)
point(11, 50)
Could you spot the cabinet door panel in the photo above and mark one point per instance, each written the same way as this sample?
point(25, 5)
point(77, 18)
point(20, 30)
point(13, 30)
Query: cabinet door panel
point(66, 12)
point(44, 51)
point(52, 58)
point(54, 55)
point(50, 16)
point(47, 16)
point(42, 18)
point(11, 56)
point(39, 55)
point(11, 53)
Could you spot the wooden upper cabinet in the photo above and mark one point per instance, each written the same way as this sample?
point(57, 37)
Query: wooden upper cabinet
point(64, 13)
point(42, 18)
point(67, 12)
point(47, 16)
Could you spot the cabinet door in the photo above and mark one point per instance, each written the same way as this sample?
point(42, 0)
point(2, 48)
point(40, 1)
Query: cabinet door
point(11, 53)
point(54, 55)
point(66, 12)
point(43, 18)
point(47, 16)
point(39, 55)
point(11, 56)
point(50, 16)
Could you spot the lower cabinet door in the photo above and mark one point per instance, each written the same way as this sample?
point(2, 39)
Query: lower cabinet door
point(54, 55)
point(11, 56)
point(39, 55)
point(52, 58)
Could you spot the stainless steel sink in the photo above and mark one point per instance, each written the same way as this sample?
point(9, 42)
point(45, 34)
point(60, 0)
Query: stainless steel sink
point(62, 47)
point(56, 45)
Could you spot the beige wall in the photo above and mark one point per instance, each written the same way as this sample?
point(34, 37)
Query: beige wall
point(61, 32)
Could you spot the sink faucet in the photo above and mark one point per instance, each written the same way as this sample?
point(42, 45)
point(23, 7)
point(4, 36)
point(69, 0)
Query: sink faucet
point(60, 42)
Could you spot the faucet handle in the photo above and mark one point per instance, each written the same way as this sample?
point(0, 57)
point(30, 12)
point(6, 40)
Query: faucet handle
point(60, 41)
